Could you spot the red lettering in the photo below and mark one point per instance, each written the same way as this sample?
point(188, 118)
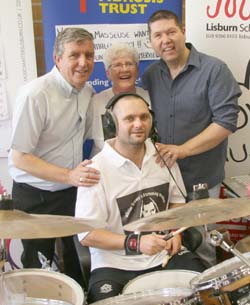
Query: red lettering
point(227, 8)
point(230, 9)
point(241, 11)
point(83, 6)
point(216, 13)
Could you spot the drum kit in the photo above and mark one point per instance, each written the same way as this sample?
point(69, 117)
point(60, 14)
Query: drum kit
point(37, 286)
point(227, 283)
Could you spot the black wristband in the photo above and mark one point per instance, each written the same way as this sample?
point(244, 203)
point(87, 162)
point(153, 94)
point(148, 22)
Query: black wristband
point(132, 244)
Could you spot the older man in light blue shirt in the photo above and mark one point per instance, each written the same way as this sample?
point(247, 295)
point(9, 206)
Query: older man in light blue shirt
point(49, 126)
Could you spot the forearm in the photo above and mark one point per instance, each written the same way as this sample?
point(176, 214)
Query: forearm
point(150, 244)
point(209, 138)
point(104, 240)
point(40, 168)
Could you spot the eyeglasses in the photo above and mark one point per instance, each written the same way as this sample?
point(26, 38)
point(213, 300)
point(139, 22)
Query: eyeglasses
point(119, 66)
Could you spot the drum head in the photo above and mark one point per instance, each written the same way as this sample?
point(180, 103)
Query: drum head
point(160, 279)
point(170, 296)
point(38, 285)
point(222, 274)
point(38, 301)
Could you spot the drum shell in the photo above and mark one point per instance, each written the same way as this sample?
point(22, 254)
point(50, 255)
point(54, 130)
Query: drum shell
point(41, 284)
point(217, 284)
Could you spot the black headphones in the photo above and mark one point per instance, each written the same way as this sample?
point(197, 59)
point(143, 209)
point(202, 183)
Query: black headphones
point(109, 120)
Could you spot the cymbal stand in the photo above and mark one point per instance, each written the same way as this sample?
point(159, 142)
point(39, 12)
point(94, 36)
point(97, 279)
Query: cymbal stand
point(45, 263)
point(5, 204)
point(222, 239)
point(2, 262)
point(2, 254)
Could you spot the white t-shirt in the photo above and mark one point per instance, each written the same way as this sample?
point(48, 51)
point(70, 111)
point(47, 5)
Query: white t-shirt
point(126, 193)
point(98, 104)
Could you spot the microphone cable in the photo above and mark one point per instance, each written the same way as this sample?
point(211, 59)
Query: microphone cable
point(172, 176)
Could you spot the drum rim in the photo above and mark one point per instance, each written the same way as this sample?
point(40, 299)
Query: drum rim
point(36, 271)
point(156, 272)
point(222, 280)
point(37, 300)
point(150, 292)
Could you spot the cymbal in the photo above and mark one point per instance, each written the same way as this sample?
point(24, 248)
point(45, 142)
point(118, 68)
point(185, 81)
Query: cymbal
point(15, 224)
point(243, 245)
point(194, 213)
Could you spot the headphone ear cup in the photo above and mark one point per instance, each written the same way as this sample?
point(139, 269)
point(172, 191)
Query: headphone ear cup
point(108, 125)
point(153, 135)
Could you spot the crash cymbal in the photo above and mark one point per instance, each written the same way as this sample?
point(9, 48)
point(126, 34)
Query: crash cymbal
point(15, 224)
point(243, 245)
point(194, 213)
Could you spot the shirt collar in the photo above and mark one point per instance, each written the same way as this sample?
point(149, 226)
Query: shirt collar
point(193, 59)
point(119, 160)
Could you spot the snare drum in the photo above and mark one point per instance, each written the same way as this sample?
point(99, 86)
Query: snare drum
point(226, 283)
point(166, 296)
point(40, 286)
point(160, 279)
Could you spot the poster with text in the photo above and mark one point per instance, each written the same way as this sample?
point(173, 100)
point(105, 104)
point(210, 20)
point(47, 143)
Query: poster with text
point(17, 60)
point(221, 28)
point(109, 21)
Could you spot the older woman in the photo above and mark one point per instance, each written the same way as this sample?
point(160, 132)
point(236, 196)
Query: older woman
point(121, 63)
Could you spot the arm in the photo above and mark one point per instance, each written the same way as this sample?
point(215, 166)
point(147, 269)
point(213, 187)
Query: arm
point(47, 171)
point(222, 97)
point(209, 138)
point(31, 118)
point(149, 244)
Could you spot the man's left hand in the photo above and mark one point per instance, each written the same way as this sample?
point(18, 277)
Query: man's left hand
point(170, 153)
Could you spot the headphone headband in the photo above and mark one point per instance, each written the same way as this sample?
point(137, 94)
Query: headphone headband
point(119, 96)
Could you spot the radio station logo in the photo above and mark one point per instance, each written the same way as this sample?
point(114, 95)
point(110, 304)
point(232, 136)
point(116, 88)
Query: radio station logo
point(221, 13)
point(231, 8)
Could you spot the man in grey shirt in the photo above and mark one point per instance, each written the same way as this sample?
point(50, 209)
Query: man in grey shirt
point(49, 125)
point(195, 100)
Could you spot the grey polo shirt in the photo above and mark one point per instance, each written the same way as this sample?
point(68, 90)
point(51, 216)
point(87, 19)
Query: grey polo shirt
point(204, 92)
point(50, 122)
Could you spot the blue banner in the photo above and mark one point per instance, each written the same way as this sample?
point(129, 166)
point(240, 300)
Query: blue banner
point(108, 21)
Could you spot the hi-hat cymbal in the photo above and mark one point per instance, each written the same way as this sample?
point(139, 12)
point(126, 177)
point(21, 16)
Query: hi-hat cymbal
point(15, 224)
point(194, 213)
point(243, 245)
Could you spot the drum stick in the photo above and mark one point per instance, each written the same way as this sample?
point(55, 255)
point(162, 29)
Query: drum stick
point(172, 234)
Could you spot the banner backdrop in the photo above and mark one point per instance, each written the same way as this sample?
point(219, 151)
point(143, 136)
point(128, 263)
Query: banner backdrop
point(222, 28)
point(17, 60)
point(17, 66)
point(109, 21)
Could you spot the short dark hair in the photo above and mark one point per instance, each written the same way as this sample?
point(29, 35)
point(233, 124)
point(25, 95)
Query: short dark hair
point(163, 14)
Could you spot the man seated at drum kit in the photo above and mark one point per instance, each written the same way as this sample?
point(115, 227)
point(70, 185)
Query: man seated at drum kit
point(132, 186)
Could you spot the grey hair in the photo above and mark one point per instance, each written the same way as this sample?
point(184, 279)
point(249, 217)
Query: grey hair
point(117, 50)
point(70, 35)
